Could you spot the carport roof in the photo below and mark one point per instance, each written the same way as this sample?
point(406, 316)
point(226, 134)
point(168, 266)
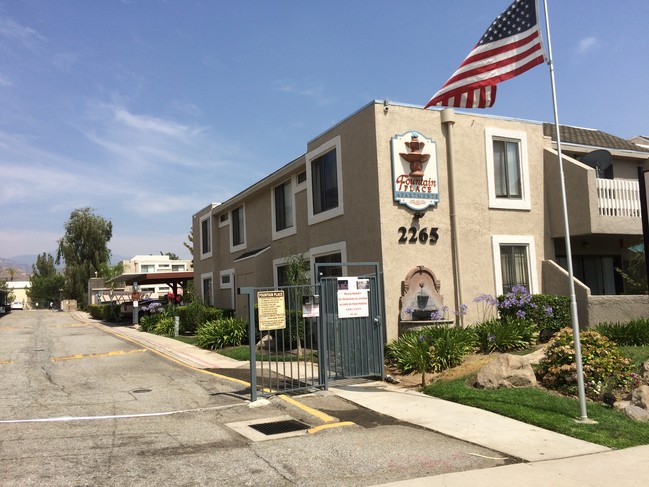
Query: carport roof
point(154, 278)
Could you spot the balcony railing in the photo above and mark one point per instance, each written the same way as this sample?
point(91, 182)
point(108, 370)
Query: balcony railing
point(618, 197)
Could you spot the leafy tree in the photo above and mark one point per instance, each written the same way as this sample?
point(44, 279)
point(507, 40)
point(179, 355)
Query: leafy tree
point(12, 273)
point(171, 255)
point(84, 249)
point(45, 280)
point(190, 246)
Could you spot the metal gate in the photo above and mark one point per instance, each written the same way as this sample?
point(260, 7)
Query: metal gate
point(351, 346)
point(318, 342)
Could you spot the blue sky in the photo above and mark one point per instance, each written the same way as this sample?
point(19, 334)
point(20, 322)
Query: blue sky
point(147, 111)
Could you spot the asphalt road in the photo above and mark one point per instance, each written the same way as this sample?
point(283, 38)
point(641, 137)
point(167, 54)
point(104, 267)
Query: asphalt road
point(81, 407)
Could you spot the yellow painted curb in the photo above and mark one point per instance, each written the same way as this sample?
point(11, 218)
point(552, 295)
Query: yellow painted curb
point(330, 425)
point(313, 412)
point(169, 357)
point(97, 355)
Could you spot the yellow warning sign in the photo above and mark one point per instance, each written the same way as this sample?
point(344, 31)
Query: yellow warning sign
point(272, 311)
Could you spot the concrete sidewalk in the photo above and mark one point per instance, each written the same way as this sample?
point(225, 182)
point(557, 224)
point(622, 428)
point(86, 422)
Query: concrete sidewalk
point(549, 458)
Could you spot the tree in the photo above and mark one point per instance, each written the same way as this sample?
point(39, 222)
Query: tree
point(46, 282)
point(84, 249)
point(171, 255)
point(190, 246)
point(12, 273)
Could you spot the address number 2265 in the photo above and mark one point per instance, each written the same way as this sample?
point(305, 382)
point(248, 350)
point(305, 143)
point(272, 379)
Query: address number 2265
point(414, 234)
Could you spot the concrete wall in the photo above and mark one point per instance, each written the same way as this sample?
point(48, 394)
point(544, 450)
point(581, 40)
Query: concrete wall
point(615, 309)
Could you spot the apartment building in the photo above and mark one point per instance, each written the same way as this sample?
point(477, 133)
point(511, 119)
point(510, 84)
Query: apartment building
point(451, 205)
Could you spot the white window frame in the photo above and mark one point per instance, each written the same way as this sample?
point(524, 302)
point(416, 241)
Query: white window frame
point(292, 230)
point(282, 261)
point(227, 220)
point(334, 248)
point(525, 240)
point(244, 245)
point(204, 277)
point(525, 202)
point(205, 255)
point(226, 272)
point(314, 154)
point(229, 285)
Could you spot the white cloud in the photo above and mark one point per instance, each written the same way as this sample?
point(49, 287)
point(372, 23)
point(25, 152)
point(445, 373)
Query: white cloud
point(587, 44)
point(315, 92)
point(17, 33)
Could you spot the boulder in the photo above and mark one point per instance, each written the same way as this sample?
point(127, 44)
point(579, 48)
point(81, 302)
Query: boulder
point(506, 370)
point(637, 413)
point(640, 397)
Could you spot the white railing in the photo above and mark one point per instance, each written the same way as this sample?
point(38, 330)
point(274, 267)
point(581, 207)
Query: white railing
point(618, 197)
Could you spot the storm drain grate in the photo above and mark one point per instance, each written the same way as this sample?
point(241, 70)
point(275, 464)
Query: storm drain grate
point(280, 427)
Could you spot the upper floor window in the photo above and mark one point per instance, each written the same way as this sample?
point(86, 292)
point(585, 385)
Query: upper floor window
point(206, 236)
point(147, 268)
point(238, 227)
point(325, 174)
point(507, 169)
point(325, 182)
point(283, 206)
point(177, 267)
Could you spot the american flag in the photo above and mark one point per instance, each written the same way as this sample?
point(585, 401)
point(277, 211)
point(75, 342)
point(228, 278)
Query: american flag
point(510, 46)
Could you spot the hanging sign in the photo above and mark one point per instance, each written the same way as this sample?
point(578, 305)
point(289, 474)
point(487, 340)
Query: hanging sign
point(272, 311)
point(414, 171)
point(353, 297)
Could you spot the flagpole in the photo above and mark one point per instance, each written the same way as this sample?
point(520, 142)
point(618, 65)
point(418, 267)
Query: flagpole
point(573, 300)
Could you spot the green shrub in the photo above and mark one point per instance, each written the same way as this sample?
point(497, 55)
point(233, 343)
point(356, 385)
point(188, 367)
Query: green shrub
point(221, 333)
point(451, 345)
point(412, 352)
point(633, 333)
point(604, 368)
point(165, 326)
point(505, 334)
point(549, 313)
point(193, 315)
point(105, 312)
point(149, 322)
point(432, 349)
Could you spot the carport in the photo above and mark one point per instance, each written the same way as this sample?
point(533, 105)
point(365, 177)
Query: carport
point(172, 279)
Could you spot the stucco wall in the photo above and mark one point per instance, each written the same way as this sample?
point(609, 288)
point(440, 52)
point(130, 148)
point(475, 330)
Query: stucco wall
point(615, 309)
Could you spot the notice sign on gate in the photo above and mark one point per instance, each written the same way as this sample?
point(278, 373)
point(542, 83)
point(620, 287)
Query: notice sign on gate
point(353, 297)
point(272, 311)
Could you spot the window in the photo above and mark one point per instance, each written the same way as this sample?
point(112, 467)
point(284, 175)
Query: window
point(238, 227)
point(227, 279)
point(147, 268)
point(206, 236)
point(178, 267)
point(301, 177)
point(329, 271)
point(514, 267)
point(283, 206)
point(507, 169)
point(207, 289)
point(514, 262)
point(325, 182)
point(282, 275)
point(325, 188)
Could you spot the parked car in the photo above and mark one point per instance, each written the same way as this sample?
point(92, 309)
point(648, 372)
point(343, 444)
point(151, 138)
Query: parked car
point(17, 305)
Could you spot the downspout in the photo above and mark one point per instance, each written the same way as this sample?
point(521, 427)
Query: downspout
point(448, 120)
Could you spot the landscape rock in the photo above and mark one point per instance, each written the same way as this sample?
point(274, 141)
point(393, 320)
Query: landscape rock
point(506, 370)
point(640, 397)
point(637, 413)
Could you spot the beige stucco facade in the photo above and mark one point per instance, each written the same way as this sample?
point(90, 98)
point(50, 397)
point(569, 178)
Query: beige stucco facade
point(364, 225)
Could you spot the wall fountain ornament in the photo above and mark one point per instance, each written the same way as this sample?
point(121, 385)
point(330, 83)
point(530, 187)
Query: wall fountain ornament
point(420, 297)
point(414, 171)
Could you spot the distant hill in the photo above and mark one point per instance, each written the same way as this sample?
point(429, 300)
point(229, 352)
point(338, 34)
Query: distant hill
point(23, 268)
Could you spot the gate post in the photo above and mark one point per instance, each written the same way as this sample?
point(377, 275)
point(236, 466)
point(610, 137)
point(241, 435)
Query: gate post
point(251, 339)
